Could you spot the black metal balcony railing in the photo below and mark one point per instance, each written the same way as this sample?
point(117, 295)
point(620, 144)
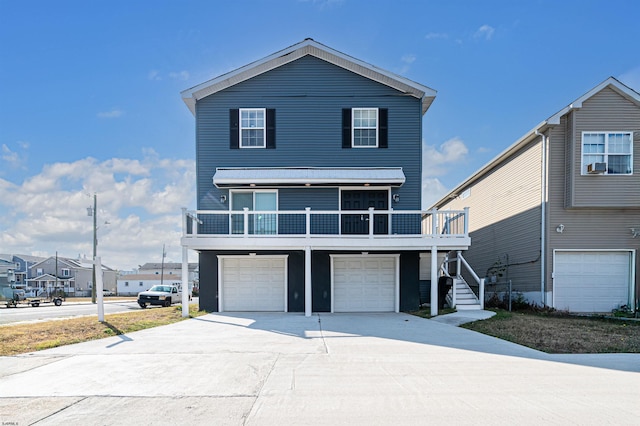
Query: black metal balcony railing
point(378, 223)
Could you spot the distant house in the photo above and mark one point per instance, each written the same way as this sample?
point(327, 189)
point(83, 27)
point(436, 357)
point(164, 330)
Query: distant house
point(73, 276)
point(558, 212)
point(132, 284)
point(23, 264)
point(309, 187)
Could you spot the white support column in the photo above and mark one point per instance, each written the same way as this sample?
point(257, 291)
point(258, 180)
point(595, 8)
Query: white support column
point(307, 281)
point(185, 282)
point(245, 220)
point(99, 287)
point(434, 281)
point(370, 222)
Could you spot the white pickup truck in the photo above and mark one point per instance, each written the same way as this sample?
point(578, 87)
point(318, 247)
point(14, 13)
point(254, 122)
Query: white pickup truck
point(163, 295)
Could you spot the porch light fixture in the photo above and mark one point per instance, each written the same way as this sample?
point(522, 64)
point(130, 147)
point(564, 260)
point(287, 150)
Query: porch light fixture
point(560, 229)
point(635, 232)
point(396, 198)
point(223, 198)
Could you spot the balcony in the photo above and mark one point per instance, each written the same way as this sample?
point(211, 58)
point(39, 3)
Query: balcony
point(319, 229)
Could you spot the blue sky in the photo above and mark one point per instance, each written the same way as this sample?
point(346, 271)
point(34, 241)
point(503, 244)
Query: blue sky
point(90, 95)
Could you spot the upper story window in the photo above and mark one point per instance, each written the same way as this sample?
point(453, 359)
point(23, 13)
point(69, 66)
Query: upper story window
point(39, 271)
point(65, 272)
point(252, 128)
point(608, 153)
point(364, 128)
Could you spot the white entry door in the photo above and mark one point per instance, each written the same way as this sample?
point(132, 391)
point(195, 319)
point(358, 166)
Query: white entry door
point(253, 284)
point(591, 281)
point(365, 283)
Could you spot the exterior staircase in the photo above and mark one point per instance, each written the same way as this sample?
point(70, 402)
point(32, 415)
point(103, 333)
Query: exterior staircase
point(466, 299)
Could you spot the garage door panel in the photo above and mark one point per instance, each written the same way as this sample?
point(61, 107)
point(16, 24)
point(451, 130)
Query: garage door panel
point(364, 284)
point(591, 281)
point(253, 284)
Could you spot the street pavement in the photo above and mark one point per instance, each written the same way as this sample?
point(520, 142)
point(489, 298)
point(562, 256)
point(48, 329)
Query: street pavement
point(327, 369)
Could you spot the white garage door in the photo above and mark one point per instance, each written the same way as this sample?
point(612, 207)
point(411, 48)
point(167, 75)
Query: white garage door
point(364, 284)
point(255, 284)
point(591, 281)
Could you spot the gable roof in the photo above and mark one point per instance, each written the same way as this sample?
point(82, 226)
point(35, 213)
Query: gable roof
point(72, 263)
point(308, 47)
point(611, 83)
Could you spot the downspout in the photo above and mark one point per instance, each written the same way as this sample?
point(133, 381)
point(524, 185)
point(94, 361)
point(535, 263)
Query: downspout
point(543, 216)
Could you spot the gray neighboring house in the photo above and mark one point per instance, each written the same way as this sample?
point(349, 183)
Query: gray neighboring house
point(23, 264)
point(309, 187)
point(74, 276)
point(558, 212)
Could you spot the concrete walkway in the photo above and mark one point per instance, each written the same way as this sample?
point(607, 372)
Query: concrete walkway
point(328, 369)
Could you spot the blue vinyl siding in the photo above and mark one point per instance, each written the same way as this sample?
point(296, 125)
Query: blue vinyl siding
point(308, 96)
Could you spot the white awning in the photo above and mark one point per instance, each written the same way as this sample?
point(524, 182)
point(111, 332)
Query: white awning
point(308, 176)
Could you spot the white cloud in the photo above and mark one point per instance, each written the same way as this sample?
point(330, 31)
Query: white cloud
point(141, 200)
point(13, 159)
point(484, 32)
point(631, 78)
point(409, 59)
point(114, 113)
point(432, 191)
point(450, 152)
point(437, 161)
point(180, 75)
point(434, 36)
point(154, 75)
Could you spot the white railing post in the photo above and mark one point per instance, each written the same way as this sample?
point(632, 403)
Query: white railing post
point(370, 222)
point(466, 221)
point(245, 213)
point(458, 263)
point(434, 222)
point(390, 221)
point(308, 221)
point(481, 293)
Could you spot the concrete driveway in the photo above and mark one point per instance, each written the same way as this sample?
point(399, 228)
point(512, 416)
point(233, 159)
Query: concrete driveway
point(328, 369)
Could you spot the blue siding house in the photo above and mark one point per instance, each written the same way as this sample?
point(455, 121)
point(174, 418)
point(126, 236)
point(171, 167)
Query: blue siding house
point(309, 187)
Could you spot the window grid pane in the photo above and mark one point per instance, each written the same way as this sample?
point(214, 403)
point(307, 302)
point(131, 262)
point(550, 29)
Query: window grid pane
point(614, 149)
point(252, 128)
point(365, 127)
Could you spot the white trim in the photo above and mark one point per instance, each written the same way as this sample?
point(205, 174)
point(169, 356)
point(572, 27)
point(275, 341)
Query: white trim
point(263, 128)
point(297, 176)
point(354, 128)
point(297, 51)
point(221, 259)
point(632, 270)
point(606, 153)
point(396, 257)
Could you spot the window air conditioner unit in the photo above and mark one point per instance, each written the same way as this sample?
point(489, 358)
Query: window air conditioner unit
point(597, 168)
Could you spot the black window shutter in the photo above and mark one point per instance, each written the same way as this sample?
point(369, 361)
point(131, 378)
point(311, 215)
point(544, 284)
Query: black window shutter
point(382, 128)
point(346, 127)
point(271, 129)
point(234, 128)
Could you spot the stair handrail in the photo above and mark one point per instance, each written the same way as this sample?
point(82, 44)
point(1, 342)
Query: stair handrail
point(461, 261)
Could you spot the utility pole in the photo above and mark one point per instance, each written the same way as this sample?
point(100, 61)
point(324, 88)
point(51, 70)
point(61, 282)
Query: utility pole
point(162, 266)
point(95, 245)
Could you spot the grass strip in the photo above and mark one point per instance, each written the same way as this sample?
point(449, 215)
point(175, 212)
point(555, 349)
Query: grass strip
point(23, 338)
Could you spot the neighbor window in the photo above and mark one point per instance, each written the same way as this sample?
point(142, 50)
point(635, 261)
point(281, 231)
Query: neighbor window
point(140, 283)
point(252, 128)
point(126, 283)
point(39, 271)
point(614, 149)
point(365, 127)
point(65, 272)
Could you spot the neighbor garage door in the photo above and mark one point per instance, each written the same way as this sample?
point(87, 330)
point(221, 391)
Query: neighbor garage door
point(253, 284)
point(364, 284)
point(591, 281)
